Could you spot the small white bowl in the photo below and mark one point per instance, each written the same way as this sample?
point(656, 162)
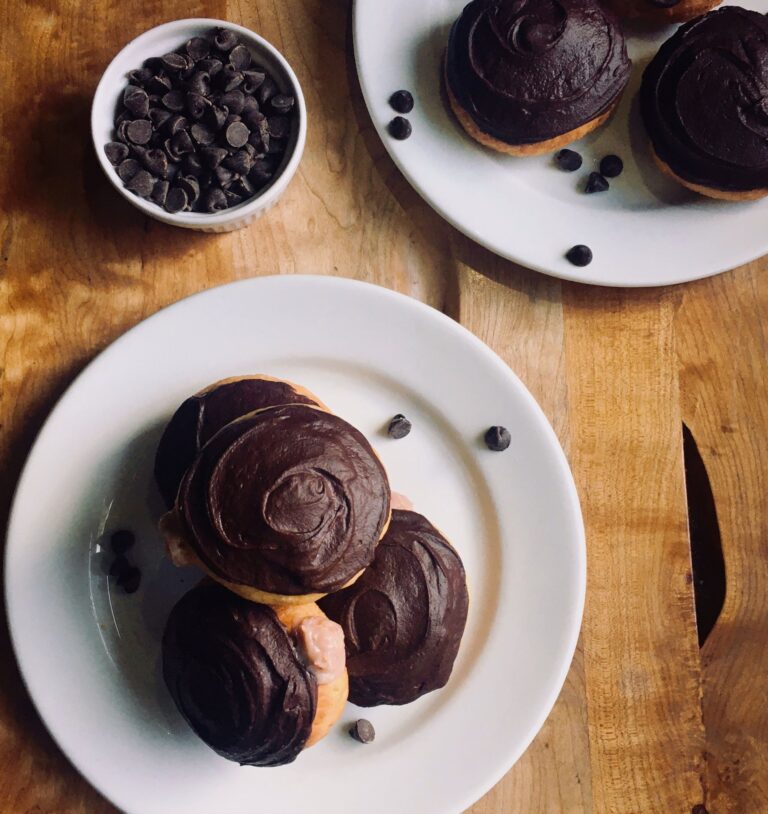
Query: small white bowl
point(161, 40)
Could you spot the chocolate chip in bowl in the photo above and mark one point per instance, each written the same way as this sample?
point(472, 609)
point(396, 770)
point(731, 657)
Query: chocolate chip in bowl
point(199, 123)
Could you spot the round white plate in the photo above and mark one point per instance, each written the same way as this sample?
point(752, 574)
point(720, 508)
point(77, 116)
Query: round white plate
point(645, 231)
point(90, 654)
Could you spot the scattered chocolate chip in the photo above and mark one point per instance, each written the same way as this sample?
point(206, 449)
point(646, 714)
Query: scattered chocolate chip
point(215, 200)
point(116, 152)
point(176, 200)
point(160, 192)
point(139, 131)
point(174, 62)
point(281, 103)
point(401, 101)
point(497, 439)
point(224, 39)
point(119, 566)
point(579, 255)
point(136, 101)
point(611, 166)
point(174, 100)
point(399, 426)
point(130, 580)
point(400, 128)
point(240, 57)
point(363, 731)
point(596, 183)
point(128, 169)
point(142, 184)
point(198, 48)
point(237, 134)
point(568, 160)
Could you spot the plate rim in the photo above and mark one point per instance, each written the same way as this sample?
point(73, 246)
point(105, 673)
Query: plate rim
point(578, 275)
point(60, 731)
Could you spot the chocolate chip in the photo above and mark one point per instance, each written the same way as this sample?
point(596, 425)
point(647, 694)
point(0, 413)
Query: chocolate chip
point(191, 186)
point(213, 156)
point(136, 101)
point(182, 143)
point(174, 124)
point(237, 134)
point(139, 131)
point(363, 731)
point(260, 173)
point(196, 105)
point(233, 79)
point(250, 105)
point(497, 439)
point(266, 91)
point(160, 192)
point(122, 116)
point(198, 48)
point(223, 176)
point(401, 101)
point(156, 161)
point(158, 116)
point(568, 160)
point(122, 540)
point(611, 166)
point(140, 76)
point(159, 84)
point(174, 100)
point(252, 80)
point(122, 130)
point(242, 186)
point(214, 200)
point(128, 169)
point(201, 134)
point(216, 116)
point(119, 566)
point(142, 184)
point(210, 66)
point(224, 39)
point(233, 100)
point(170, 150)
point(192, 165)
point(200, 83)
point(276, 146)
point(400, 128)
point(579, 255)
point(116, 152)
point(176, 200)
point(278, 126)
point(233, 199)
point(130, 580)
point(239, 162)
point(399, 426)
point(240, 57)
point(596, 183)
point(281, 103)
point(174, 62)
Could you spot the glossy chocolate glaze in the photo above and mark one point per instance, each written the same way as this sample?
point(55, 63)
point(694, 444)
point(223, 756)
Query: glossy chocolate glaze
point(530, 70)
point(290, 500)
point(404, 618)
point(201, 416)
point(237, 678)
point(704, 100)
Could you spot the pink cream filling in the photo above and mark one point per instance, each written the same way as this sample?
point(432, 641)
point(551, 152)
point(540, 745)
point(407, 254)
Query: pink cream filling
point(322, 643)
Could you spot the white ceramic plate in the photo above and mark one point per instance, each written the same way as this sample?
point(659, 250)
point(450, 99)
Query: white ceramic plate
point(645, 231)
point(90, 654)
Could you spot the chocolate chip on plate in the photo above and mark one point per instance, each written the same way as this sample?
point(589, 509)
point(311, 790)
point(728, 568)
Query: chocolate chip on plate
point(399, 426)
point(579, 255)
point(401, 101)
point(568, 160)
point(400, 128)
point(596, 183)
point(119, 566)
point(497, 439)
point(363, 731)
point(130, 580)
point(611, 166)
point(116, 152)
point(121, 540)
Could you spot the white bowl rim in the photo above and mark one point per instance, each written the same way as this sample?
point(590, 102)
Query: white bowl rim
point(235, 213)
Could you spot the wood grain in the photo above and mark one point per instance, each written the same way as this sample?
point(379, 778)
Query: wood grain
point(643, 724)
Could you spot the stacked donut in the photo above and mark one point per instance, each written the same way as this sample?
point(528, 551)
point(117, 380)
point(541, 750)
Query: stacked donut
point(527, 77)
point(316, 589)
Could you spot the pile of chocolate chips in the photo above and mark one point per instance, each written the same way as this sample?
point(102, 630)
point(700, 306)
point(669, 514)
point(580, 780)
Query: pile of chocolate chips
point(200, 129)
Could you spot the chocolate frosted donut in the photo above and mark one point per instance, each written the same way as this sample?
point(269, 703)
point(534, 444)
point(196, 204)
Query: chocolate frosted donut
point(528, 71)
point(201, 416)
point(704, 100)
point(290, 500)
point(237, 677)
point(404, 618)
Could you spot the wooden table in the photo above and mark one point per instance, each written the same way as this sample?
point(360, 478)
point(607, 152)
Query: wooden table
point(647, 723)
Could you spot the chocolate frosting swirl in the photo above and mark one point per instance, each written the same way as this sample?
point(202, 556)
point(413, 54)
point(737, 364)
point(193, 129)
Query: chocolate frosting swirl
point(201, 416)
point(237, 678)
point(290, 500)
point(404, 618)
point(529, 70)
point(704, 99)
